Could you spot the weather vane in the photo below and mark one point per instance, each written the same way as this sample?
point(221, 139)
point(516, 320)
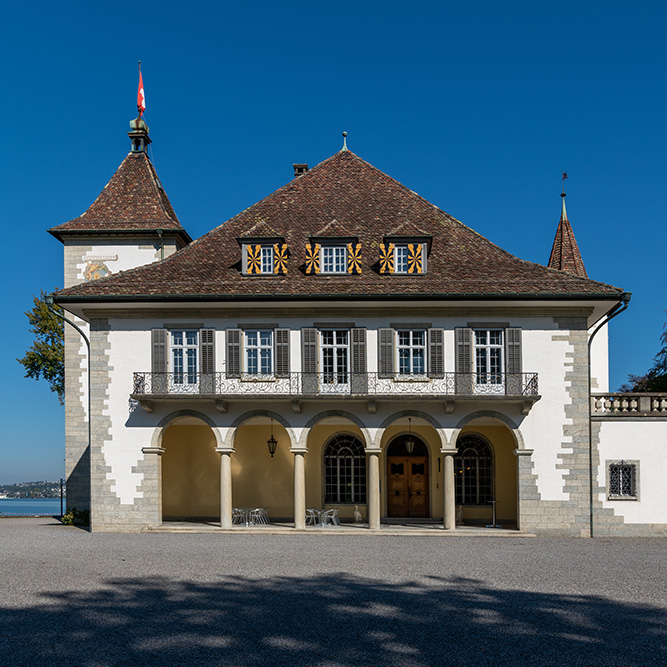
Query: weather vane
point(564, 177)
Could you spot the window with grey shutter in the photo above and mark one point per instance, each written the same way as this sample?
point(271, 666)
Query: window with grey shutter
point(207, 344)
point(463, 363)
point(513, 377)
point(282, 353)
point(436, 353)
point(309, 361)
point(159, 360)
point(386, 353)
point(359, 377)
point(233, 353)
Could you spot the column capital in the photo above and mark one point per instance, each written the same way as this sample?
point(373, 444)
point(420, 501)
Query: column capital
point(523, 452)
point(449, 452)
point(299, 450)
point(153, 450)
point(373, 450)
point(225, 450)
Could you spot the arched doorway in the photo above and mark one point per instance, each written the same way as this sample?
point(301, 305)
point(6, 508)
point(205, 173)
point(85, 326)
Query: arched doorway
point(190, 472)
point(407, 478)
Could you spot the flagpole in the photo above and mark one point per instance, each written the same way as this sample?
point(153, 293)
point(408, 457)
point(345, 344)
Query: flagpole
point(138, 107)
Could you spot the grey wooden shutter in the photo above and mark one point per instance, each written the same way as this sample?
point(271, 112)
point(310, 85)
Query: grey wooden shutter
point(513, 384)
point(207, 346)
point(464, 380)
point(159, 361)
point(385, 353)
point(309, 360)
point(233, 353)
point(282, 352)
point(436, 353)
point(359, 380)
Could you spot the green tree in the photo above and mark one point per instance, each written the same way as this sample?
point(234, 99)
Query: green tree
point(46, 356)
point(656, 378)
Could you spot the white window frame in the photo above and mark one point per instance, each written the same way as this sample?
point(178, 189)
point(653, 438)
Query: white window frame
point(261, 370)
point(412, 347)
point(338, 259)
point(266, 259)
point(401, 255)
point(492, 372)
point(336, 379)
point(184, 367)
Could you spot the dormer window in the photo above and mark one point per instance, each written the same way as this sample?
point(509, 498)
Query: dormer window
point(264, 258)
point(403, 258)
point(334, 259)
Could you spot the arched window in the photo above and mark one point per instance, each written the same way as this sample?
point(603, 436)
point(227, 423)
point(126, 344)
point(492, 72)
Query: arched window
point(473, 471)
point(344, 471)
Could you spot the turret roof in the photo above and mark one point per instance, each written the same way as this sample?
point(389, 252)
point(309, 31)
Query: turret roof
point(565, 255)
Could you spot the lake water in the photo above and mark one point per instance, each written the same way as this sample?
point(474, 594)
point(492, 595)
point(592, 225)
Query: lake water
point(30, 506)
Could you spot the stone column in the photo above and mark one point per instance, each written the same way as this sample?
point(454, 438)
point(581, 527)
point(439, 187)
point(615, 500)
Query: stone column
point(299, 488)
point(448, 490)
point(225, 485)
point(373, 488)
point(152, 484)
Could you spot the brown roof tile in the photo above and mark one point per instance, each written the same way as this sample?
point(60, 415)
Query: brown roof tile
point(565, 255)
point(366, 203)
point(133, 200)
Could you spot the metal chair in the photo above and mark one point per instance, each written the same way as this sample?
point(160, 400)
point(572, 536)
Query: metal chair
point(311, 517)
point(238, 516)
point(330, 517)
point(259, 516)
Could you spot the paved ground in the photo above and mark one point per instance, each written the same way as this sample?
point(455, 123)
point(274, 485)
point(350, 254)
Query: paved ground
point(68, 597)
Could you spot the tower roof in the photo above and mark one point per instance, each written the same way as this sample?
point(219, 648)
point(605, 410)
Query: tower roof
point(565, 255)
point(365, 204)
point(133, 201)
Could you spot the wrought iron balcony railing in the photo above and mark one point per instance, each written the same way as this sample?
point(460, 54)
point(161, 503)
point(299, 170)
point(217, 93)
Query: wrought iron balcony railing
point(300, 385)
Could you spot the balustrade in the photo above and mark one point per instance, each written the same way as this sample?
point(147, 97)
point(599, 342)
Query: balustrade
point(628, 405)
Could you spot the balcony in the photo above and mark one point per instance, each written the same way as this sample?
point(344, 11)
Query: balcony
point(297, 387)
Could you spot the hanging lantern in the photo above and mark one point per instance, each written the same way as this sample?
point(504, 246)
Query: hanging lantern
point(410, 441)
point(272, 442)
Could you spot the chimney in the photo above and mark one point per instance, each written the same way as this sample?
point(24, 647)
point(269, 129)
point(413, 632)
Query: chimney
point(300, 169)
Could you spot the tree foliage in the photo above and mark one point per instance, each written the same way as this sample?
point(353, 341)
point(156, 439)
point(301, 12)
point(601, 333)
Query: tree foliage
point(46, 356)
point(656, 378)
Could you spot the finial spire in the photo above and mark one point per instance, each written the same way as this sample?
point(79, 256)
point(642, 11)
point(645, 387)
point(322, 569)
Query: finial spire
point(563, 212)
point(565, 255)
point(344, 141)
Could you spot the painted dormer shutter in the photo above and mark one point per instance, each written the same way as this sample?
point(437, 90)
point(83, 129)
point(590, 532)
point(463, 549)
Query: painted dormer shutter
point(312, 258)
point(463, 364)
point(253, 258)
point(415, 263)
point(280, 258)
point(354, 258)
point(386, 258)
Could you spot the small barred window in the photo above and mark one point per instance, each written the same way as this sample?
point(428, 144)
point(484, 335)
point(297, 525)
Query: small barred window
point(622, 480)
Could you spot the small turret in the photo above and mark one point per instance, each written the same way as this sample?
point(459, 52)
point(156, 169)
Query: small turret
point(565, 255)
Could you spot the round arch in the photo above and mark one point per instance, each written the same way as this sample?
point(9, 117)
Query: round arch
point(410, 413)
point(313, 421)
point(166, 422)
point(246, 416)
point(490, 414)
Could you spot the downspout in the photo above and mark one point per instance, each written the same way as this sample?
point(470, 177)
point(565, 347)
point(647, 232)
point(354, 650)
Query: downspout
point(610, 315)
point(48, 299)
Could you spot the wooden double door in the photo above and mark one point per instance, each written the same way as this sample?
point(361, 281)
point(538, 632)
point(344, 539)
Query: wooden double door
point(407, 486)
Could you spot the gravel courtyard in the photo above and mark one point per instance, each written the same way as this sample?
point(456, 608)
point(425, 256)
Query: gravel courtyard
point(68, 597)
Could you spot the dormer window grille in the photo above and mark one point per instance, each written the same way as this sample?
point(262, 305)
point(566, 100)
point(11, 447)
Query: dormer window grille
point(344, 258)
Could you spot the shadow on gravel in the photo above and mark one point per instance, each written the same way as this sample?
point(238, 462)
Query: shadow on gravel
point(327, 620)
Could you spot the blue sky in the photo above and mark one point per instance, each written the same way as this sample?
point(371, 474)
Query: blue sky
point(477, 106)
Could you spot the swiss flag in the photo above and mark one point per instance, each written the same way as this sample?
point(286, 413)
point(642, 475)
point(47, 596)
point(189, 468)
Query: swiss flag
point(141, 97)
